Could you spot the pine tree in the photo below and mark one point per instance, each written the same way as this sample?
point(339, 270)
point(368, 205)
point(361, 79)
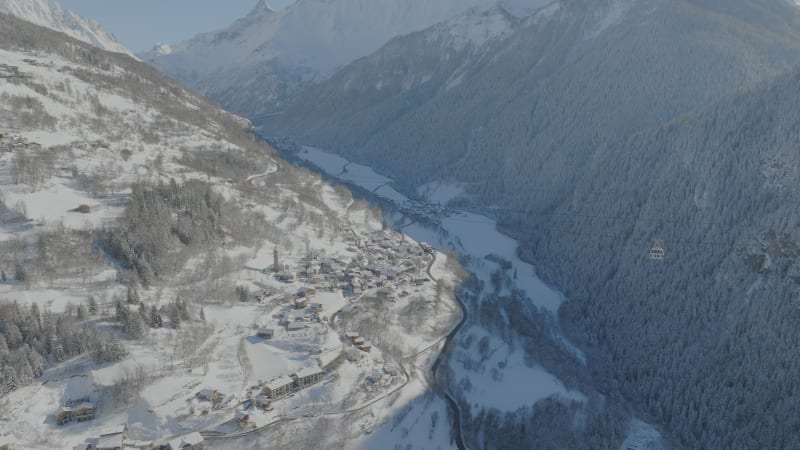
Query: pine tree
point(10, 378)
point(135, 327)
point(155, 318)
point(133, 296)
point(92, 305)
point(110, 351)
point(119, 311)
point(3, 348)
point(202, 314)
point(175, 316)
point(25, 375)
point(36, 361)
point(143, 311)
point(69, 310)
point(183, 310)
point(58, 352)
point(3, 276)
point(13, 336)
point(20, 273)
point(82, 313)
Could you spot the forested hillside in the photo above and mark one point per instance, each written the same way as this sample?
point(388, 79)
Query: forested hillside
point(704, 341)
point(529, 111)
point(590, 131)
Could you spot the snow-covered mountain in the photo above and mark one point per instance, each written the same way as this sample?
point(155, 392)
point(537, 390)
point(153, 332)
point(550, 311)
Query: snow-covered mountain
point(51, 14)
point(259, 61)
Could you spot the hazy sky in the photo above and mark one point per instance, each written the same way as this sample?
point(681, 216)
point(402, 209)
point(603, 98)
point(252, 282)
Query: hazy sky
point(139, 24)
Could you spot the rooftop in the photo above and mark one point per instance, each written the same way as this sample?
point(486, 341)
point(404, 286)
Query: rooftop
point(308, 371)
point(279, 383)
point(186, 441)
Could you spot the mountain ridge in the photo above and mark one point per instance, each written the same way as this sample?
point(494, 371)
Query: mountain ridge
point(51, 14)
point(274, 55)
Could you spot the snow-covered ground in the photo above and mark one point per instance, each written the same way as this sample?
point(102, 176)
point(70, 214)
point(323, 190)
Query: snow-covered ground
point(501, 368)
point(642, 436)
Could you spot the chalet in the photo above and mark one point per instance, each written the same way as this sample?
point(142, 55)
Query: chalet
point(112, 440)
point(279, 388)
point(265, 333)
point(300, 303)
point(192, 441)
point(307, 377)
point(359, 341)
point(296, 326)
point(87, 209)
point(6, 444)
point(210, 395)
point(327, 265)
point(64, 415)
point(306, 292)
point(242, 418)
point(375, 377)
point(365, 347)
point(84, 411)
point(330, 360)
point(391, 370)
point(263, 401)
point(285, 276)
point(75, 410)
point(298, 315)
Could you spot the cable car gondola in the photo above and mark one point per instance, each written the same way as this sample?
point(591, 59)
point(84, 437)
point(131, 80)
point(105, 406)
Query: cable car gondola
point(657, 251)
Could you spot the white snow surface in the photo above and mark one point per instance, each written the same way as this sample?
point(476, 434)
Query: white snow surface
point(50, 14)
point(474, 27)
point(504, 368)
point(642, 436)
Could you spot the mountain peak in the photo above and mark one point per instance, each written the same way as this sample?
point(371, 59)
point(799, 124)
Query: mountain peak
point(262, 7)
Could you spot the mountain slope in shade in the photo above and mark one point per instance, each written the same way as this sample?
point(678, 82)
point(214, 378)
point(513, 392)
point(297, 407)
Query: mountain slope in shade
point(259, 61)
point(50, 14)
point(529, 105)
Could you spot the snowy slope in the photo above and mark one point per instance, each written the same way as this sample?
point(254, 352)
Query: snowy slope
point(271, 54)
point(50, 14)
point(80, 126)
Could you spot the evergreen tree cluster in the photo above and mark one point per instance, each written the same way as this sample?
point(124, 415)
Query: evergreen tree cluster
point(32, 340)
point(162, 224)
